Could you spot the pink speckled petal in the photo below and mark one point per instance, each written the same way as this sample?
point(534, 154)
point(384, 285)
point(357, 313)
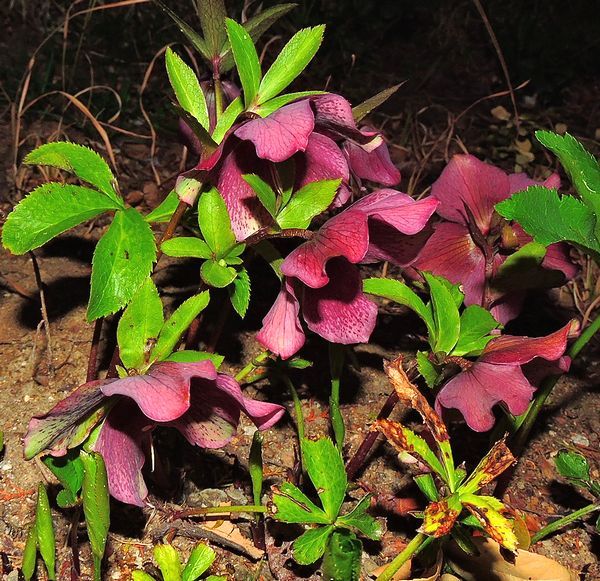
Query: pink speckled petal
point(476, 391)
point(471, 182)
point(281, 134)
point(340, 312)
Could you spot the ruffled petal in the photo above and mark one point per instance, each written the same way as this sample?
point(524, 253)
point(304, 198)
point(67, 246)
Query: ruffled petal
point(471, 182)
point(163, 394)
point(537, 370)
point(124, 436)
point(451, 253)
point(340, 312)
point(476, 391)
point(282, 332)
point(281, 134)
point(513, 350)
point(247, 214)
point(375, 166)
point(508, 307)
point(386, 243)
point(521, 181)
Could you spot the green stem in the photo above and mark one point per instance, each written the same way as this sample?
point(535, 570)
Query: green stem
point(419, 542)
point(254, 364)
point(218, 96)
point(220, 510)
point(565, 520)
point(297, 409)
point(336, 364)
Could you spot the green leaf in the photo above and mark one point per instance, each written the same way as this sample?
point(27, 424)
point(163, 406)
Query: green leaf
point(475, 325)
point(427, 486)
point(306, 203)
point(246, 59)
point(141, 576)
point(326, 471)
point(293, 506)
point(164, 211)
point(214, 222)
point(310, 546)
point(122, 261)
point(190, 356)
point(265, 109)
point(187, 87)
point(271, 256)
point(177, 324)
point(167, 558)
point(445, 315)
point(550, 218)
point(427, 369)
point(68, 469)
point(255, 467)
point(490, 513)
point(217, 275)
point(96, 505)
point(212, 16)
point(142, 320)
point(201, 558)
point(360, 521)
point(45, 532)
point(30, 553)
point(263, 191)
point(239, 292)
point(80, 160)
point(186, 246)
point(291, 61)
point(572, 465)
point(363, 109)
point(227, 119)
point(397, 291)
point(48, 211)
point(342, 558)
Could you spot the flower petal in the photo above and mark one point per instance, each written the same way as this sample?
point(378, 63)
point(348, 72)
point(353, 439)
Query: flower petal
point(386, 243)
point(471, 182)
point(282, 332)
point(521, 181)
point(247, 214)
point(513, 350)
point(163, 394)
point(375, 166)
point(281, 134)
point(451, 253)
point(340, 312)
point(476, 391)
point(121, 442)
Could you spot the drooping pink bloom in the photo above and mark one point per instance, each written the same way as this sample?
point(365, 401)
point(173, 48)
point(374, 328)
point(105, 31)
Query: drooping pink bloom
point(322, 281)
point(507, 372)
point(202, 404)
point(472, 241)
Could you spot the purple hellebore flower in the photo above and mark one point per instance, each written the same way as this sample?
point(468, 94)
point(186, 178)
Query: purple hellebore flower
point(202, 404)
point(468, 185)
point(508, 371)
point(321, 277)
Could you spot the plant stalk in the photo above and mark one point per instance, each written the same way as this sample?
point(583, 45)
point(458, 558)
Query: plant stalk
point(336, 365)
point(565, 520)
point(419, 542)
point(208, 510)
point(250, 367)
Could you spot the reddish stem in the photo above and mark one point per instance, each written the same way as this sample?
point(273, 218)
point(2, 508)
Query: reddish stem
point(92, 368)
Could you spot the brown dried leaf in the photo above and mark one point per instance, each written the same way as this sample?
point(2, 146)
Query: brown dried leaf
point(405, 572)
point(439, 519)
point(494, 463)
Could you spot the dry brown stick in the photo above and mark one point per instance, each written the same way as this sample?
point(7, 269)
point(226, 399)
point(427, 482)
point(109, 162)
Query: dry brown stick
point(43, 309)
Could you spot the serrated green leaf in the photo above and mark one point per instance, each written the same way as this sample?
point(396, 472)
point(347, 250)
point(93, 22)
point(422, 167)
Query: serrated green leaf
point(142, 321)
point(572, 465)
point(326, 471)
point(214, 222)
point(427, 369)
point(239, 292)
point(217, 275)
point(177, 324)
point(227, 119)
point(30, 554)
point(186, 246)
point(122, 261)
point(164, 211)
point(427, 486)
point(187, 87)
point(263, 191)
point(293, 506)
point(550, 218)
point(48, 211)
point(246, 59)
point(190, 356)
point(397, 291)
point(475, 325)
point(342, 558)
point(68, 469)
point(363, 109)
point(80, 160)
point(96, 505)
point(306, 203)
point(310, 546)
point(291, 61)
point(167, 558)
point(201, 558)
point(445, 315)
point(265, 109)
point(212, 16)
point(360, 521)
point(45, 532)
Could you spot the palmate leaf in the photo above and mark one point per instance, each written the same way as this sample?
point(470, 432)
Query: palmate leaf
point(186, 247)
point(214, 222)
point(69, 471)
point(201, 558)
point(122, 261)
point(293, 506)
point(167, 558)
point(445, 315)
point(360, 521)
point(50, 210)
point(291, 61)
point(227, 119)
point(263, 191)
point(572, 465)
point(310, 546)
point(246, 59)
point(212, 16)
point(306, 203)
point(343, 556)
point(240, 293)
point(265, 109)
point(191, 356)
point(475, 325)
point(217, 275)
point(164, 211)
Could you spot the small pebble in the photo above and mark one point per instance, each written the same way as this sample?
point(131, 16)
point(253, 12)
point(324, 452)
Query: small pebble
point(580, 439)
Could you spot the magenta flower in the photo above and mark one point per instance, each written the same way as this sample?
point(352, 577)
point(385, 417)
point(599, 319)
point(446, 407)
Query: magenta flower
point(202, 404)
point(322, 281)
point(508, 372)
point(472, 241)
